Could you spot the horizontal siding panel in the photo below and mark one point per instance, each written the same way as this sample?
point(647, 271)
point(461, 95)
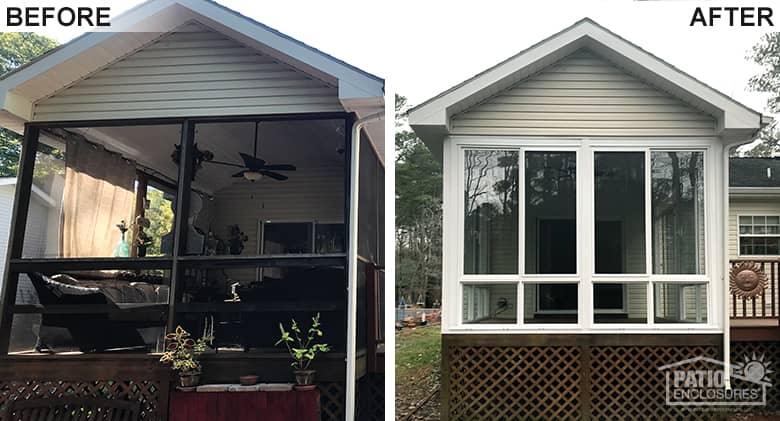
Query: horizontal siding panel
point(198, 94)
point(553, 100)
point(187, 112)
point(589, 124)
point(585, 109)
point(193, 72)
point(583, 95)
point(192, 52)
point(577, 131)
point(222, 85)
point(592, 116)
point(185, 77)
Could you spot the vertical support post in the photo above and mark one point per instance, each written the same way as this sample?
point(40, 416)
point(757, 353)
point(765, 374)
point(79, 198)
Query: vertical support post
point(585, 386)
point(18, 226)
point(180, 224)
point(372, 301)
point(348, 123)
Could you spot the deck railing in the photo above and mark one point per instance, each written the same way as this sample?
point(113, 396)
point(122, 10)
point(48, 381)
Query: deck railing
point(765, 305)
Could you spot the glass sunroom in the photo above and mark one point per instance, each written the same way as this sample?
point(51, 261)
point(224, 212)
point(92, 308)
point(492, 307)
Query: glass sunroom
point(585, 209)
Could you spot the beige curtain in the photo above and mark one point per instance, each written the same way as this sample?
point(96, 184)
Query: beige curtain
point(98, 195)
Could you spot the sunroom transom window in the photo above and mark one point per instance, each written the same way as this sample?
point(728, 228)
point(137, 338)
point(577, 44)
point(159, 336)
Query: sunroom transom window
point(583, 237)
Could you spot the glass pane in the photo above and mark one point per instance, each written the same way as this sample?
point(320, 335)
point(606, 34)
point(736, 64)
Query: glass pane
point(680, 303)
point(86, 187)
point(278, 171)
point(773, 220)
point(329, 238)
point(248, 303)
point(620, 303)
point(745, 220)
point(678, 212)
point(490, 303)
point(550, 212)
point(759, 220)
point(284, 238)
point(490, 237)
point(745, 229)
point(141, 296)
point(550, 303)
point(620, 212)
point(759, 246)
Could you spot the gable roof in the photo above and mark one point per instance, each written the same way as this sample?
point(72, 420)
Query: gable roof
point(358, 91)
point(430, 120)
point(754, 172)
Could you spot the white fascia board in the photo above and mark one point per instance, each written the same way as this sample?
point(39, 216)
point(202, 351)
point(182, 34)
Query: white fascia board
point(735, 116)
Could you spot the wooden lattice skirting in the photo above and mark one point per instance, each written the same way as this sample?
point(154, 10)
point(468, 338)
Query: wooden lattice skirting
point(371, 397)
point(766, 351)
point(565, 377)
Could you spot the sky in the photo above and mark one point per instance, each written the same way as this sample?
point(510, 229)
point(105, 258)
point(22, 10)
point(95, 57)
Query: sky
point(422, 47)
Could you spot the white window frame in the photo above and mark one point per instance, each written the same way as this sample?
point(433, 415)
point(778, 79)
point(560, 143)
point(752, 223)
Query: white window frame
point(739, 235)
point(453, 239)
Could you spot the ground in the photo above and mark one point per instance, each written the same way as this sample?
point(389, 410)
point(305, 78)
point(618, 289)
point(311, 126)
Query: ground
point(417, 360)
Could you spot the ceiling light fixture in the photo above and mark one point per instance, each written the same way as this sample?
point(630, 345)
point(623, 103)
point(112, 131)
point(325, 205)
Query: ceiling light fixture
point(252, 175)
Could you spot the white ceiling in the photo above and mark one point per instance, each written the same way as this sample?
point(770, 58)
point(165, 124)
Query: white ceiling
point(305, 144)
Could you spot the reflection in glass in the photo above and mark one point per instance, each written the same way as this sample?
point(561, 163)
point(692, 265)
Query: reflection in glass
point(550, 212)
point(678, 212)
point(550, 303)
point(620, 303)
point(620, 212)
point(494, 303)
point(680, 303)
point(491, 191)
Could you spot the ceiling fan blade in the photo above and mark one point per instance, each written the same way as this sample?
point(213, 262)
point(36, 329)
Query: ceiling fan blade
point(279, 167)
point(229, 164)
point(275, 176)
point(251, 161)
point(238, 174)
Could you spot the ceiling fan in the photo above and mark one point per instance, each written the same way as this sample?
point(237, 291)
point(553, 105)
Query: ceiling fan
point(255, 168)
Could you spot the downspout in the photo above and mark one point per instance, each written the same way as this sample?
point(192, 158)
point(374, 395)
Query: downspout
point(725, 256)
point(352, 256)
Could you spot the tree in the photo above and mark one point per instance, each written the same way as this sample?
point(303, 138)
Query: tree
point(418, 214)
point(16, 49)
point(767, 54)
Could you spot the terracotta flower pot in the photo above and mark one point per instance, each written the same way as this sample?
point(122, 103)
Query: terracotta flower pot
point(304, 379)
point(189, 379)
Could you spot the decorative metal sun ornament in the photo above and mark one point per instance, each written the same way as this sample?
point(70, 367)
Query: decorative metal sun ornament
point(747, 280)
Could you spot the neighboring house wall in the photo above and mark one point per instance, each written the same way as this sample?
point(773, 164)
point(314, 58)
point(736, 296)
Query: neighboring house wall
point(744, 206)
point(6, 210)
point(583, 95)
point(191, 72)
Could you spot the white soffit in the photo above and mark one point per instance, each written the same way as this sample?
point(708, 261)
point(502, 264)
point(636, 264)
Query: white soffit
point(359, 91)
point(430, 119)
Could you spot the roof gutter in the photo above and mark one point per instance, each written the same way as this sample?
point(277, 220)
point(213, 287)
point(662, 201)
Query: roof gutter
point(352, 257)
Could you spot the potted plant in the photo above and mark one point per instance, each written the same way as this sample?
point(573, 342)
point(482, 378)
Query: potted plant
point(303, 349)
point(182, 352)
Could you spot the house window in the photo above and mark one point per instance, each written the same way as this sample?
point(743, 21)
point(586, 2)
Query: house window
point(621, 243)
point(759, 235)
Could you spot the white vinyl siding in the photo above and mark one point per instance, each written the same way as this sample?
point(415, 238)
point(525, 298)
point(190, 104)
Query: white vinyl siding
point(766, 206)
point(583, 95)
point(191, 72)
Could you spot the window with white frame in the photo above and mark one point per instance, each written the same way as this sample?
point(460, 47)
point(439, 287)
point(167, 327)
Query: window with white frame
point(527, 214)
point(759, 235)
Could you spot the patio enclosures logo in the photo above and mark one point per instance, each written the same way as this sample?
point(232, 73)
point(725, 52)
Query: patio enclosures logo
point(700, 382)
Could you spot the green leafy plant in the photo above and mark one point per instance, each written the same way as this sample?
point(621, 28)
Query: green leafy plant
point(303, 348)
point(182, 352)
